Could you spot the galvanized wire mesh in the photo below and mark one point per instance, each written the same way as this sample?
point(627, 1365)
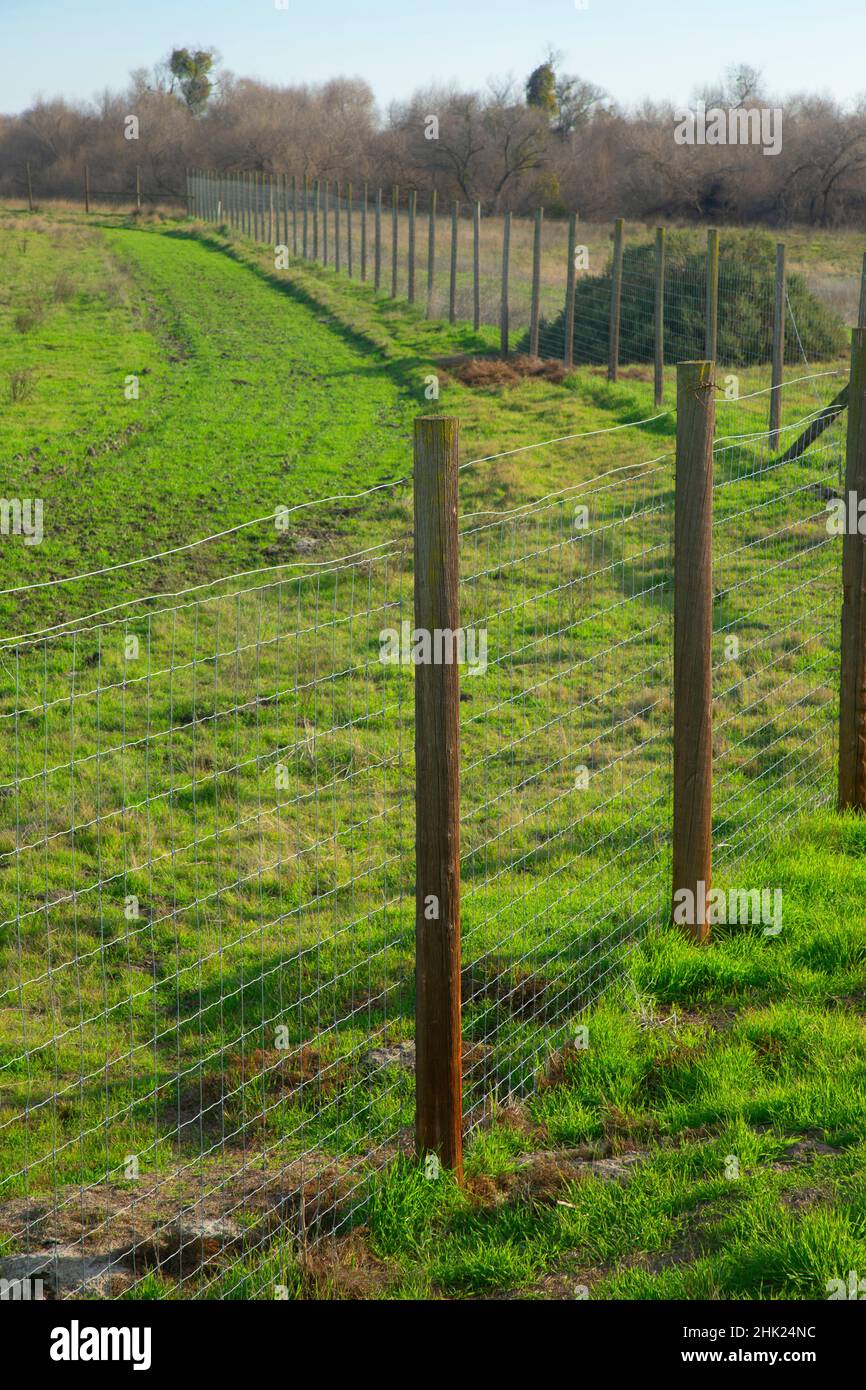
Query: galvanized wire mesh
point(565, 778)
point(205, 930)
point(777, 586)
point(206, 864)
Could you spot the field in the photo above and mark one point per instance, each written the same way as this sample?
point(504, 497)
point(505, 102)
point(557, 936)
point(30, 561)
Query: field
point(210, 838)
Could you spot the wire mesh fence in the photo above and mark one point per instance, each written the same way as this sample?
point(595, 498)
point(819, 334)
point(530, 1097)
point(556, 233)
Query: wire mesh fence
point(203, 920)
point(777, 585)
point(565, 775)
point(450, 260)
point(206, 863)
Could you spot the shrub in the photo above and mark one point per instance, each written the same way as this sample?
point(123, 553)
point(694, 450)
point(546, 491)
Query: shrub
point(30, 316)
point(21, 383)
point(746, 295)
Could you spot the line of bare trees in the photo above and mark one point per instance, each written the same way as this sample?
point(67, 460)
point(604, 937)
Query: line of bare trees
point(556, 140)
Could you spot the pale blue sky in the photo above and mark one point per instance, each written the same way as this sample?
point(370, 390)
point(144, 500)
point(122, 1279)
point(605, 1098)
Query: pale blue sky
point(633, 48)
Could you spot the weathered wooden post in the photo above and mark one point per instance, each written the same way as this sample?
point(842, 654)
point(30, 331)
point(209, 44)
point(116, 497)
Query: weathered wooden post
point(395, 235)
point(364, 203)
point(659, 319)
point(778, 347)
point(615, 301)
point(852, 684)
point(438, 1042)
point(431, 254)
point(29, 189)
point(693, 658)
point(377, 252)
point(337, 248)
point(534, 310)
point(350, 212)
point(568, 346)
point(503, 293)
point(413, 205)
point(476, 266)
point(325, 211)
point(86, 188)
point(452, 279)
point(712, 296)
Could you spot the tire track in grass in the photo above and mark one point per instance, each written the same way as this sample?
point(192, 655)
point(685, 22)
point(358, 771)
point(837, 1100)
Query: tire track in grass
point(265, 404)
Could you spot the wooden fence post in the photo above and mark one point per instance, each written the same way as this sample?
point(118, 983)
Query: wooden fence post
point(294, 216)
point(315, 219)
point(350, 212)
point(438, 1041)
point(377, 251)
point(364, 202)
point(659, 320)
point(568, 344)
point(431, 253)
point(29, 189)
point(325, 210)
point(305, 219)
point(693, 632)
point(503, 294)
point(337, 248)
point(476, 267)
point(86, 188)
point(452, 279)
point(861, 315)
point(395, 235)
point(413, 206)
point(615, 301)
point(534, 309)
point(778, 347)
point(712, 299)
point(852, 684)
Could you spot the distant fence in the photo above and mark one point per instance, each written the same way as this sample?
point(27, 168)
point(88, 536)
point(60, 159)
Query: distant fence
point(559, 289)
point(131, 189)
point(294, 867)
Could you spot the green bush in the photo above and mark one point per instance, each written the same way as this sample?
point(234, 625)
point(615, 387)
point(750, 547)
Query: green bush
point(746, 293)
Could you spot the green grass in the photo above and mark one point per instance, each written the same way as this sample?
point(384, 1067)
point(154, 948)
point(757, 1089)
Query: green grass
point(710, 1064)
point(240, 763)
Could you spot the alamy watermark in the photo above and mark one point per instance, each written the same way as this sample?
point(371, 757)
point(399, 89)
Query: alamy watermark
point(736, 125)
point(737, 906)
point(443, 646)
point(22, 516)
